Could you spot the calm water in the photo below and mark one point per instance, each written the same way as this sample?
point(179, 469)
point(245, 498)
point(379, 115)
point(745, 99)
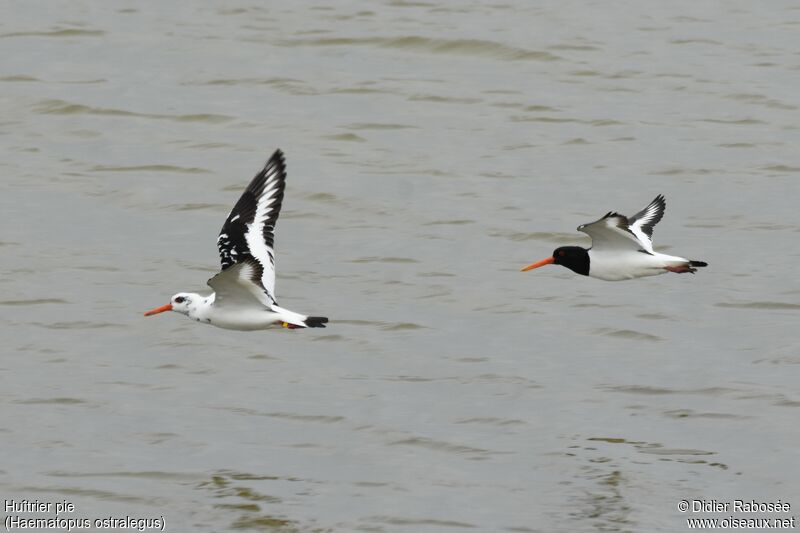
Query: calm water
point(433, 150)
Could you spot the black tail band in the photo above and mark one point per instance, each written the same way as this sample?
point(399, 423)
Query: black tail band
point(316, 321)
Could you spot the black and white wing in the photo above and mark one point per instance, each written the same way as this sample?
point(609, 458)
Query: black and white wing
point(643, 222)
point(611, 233)
point(248, 233)
point(239, 284)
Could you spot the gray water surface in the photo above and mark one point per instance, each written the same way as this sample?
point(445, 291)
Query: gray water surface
point(433, 150)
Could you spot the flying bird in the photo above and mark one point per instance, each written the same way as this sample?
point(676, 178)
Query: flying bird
point(244, 290)
point(622, 248)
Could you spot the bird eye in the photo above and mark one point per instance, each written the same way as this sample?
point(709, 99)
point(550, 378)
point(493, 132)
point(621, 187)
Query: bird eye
point(561, 253)
point(179, 300)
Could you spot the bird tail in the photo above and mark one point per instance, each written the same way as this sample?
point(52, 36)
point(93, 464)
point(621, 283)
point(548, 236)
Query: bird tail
point(292, 320)
point(316, 321)
point(309, 322)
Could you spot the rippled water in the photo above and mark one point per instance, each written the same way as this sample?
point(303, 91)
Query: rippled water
point(433, 150)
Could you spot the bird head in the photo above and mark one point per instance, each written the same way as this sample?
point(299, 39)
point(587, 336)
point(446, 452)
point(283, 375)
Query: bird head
point(574, 258)
point(179, 303)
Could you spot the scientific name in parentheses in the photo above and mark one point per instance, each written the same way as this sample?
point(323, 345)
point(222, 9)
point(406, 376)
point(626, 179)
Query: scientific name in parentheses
point(740, 506)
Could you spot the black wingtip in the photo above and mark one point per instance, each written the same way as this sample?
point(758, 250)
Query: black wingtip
point(316, 321)
point(278, 156)
point(278, 159)
point(698, 263)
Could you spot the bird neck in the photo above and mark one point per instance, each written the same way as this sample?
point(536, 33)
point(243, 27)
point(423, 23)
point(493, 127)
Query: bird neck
point(578, 261)
point(201, 307)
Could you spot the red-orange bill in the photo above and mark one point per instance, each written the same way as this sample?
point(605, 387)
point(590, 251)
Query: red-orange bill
point(537, 264)
point(157, 310)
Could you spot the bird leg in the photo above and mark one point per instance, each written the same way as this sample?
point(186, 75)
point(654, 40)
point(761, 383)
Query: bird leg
point(682, 269)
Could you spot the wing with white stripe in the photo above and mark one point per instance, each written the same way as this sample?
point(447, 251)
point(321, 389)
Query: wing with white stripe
point(248, 232)
point(611, 233)
point(239, 285)
point(643, 222)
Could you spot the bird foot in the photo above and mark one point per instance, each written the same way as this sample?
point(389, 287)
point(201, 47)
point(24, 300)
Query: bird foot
point(682, 269)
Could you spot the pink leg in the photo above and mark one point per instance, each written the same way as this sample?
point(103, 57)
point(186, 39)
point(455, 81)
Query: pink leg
point(682, 269)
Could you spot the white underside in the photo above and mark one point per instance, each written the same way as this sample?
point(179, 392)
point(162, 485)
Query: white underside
point(244, 320)
point(618, 265)
point(248, 317)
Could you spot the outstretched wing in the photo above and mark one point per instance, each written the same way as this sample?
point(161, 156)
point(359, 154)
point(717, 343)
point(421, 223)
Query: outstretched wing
point(240, 284)
point(643, 222)
point(248, 232)
point(611, 233)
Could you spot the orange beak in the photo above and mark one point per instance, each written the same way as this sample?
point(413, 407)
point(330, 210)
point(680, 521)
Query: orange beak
point(157, 310)
point(537, 264)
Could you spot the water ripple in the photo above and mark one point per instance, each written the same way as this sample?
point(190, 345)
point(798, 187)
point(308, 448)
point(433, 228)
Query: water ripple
point(779, 306)
point(419, 522)
point(67, 32)
point(469, 47)
point(61, 107)
point(627, 334)
point(643, 389)
point(379, 126)
point(57, 401)
point(347, 137)
point(441, 446)
point(40, 301)
point(150, 168)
